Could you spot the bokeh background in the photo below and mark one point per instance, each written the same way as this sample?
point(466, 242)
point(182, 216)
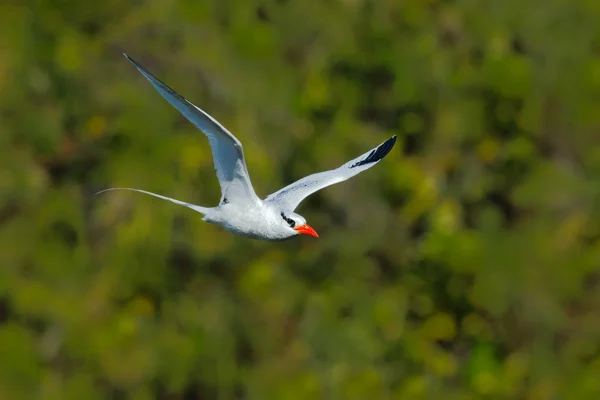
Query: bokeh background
point(463, 266)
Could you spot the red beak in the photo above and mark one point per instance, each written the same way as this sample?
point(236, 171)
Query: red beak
point(306, 230)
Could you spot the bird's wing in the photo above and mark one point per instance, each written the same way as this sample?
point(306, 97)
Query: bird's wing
point(227, 151)
point(290, 196)
point(202, 210)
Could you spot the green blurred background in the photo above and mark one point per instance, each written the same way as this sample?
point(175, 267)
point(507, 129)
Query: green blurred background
point(464, 266)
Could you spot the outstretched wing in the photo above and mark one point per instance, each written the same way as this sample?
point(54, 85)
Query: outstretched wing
point(290, 196)
point(227, 151)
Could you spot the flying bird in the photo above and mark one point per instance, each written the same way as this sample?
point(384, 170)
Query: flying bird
point(240, 210)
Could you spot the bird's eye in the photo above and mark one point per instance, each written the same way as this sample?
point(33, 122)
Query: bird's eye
point(290, 221)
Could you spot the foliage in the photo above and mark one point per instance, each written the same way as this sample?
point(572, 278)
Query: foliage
point(463, 266)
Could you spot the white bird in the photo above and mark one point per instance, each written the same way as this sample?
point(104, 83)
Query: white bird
point(240, 210)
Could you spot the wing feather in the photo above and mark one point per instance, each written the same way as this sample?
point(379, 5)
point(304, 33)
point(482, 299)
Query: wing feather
point(292, 195)
point(227, 151)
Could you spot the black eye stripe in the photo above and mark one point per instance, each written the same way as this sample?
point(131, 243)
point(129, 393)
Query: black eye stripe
point(290, 221)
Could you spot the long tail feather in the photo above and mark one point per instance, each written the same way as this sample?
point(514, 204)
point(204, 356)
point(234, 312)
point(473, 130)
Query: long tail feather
point(202, 210)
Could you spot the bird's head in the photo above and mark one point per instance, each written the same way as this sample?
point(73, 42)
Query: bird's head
point(298, 224)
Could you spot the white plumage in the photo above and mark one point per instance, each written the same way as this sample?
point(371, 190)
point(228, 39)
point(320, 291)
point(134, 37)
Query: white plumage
point(240, 210)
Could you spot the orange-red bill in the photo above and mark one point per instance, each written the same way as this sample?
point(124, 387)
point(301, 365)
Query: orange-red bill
point(306, 230)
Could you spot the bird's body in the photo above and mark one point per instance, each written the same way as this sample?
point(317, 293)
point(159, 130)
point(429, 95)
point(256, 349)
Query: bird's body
point(240, 210)
point(260, 220)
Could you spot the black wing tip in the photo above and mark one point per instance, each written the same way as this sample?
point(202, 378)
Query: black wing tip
point(392, 142)
point(377, 154)
point(384, 149)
